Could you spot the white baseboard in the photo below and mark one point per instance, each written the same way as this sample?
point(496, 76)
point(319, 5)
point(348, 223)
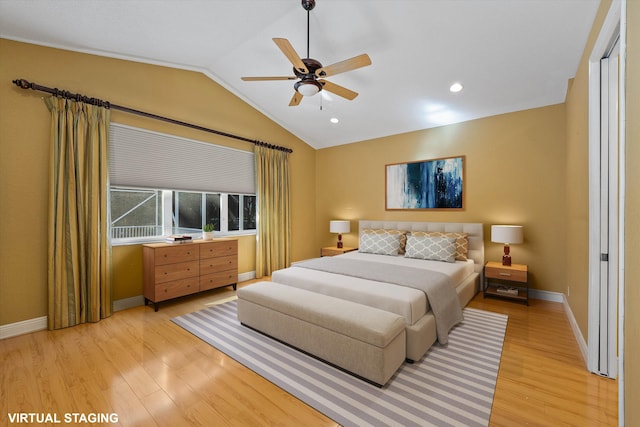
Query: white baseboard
point(546, 295)
point(125, 303)
point(249, 275)
point(40, 323)
point(582, 344)
point(24, 327)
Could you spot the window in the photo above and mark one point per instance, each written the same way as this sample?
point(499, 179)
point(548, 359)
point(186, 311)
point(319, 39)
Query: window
point(163, 184)
point(135, 213)
point(242, 212)
point(141, 215)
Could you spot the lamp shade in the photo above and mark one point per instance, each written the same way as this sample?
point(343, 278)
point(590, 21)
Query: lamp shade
point(339, 226)
point(507, 234)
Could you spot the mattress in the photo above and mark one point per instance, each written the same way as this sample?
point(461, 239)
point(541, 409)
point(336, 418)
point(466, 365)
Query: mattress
point(407, 302)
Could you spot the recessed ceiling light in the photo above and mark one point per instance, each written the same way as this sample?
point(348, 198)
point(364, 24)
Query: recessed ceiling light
point(456, 87)
point(334, 120)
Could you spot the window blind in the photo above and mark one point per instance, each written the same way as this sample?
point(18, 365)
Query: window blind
point(145, 159)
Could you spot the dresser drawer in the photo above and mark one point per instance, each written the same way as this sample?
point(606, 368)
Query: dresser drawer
point(170, 272)
point(176, 253)
point(212, 265)
point(217, 249)
point(177, 288)
point(218, 279)
point(506, 274)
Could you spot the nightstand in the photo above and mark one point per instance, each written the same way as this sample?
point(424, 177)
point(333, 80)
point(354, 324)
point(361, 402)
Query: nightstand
point(510, 282)
point(334, 250)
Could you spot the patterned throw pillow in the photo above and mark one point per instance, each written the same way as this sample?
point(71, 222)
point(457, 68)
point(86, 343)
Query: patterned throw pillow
point(378, 242)
point(432, 248)
point(462, 243)
point(385, 232)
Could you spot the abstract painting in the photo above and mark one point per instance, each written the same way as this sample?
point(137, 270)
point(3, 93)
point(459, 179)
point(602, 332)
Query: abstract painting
point(426, 184)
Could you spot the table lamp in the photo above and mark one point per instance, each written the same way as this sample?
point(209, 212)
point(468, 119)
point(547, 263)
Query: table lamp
point(506, 234)
point(339, 227)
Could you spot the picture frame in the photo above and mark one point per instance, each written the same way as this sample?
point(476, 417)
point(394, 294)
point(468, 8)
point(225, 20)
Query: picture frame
point(425, 184)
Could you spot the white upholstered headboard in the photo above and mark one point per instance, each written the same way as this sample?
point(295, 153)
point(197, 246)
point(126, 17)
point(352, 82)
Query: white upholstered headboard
point(474, 232)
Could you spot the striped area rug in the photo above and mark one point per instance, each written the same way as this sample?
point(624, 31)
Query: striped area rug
point(451, 386)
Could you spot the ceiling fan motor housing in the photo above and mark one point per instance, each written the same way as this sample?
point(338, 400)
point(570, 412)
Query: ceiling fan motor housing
point(312, 65)
point(308, 78)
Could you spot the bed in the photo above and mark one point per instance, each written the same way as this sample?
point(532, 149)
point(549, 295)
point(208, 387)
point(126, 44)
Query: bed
point(392, 258)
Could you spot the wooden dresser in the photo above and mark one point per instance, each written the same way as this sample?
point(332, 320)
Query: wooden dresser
point(174, 270)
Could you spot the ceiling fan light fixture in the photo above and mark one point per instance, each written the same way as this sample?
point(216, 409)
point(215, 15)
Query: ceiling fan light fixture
point(308, 87)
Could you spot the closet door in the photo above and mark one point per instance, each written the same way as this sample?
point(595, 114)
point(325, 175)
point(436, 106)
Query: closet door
point(603, 334)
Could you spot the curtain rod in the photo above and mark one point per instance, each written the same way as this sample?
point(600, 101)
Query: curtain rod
point(24, 84)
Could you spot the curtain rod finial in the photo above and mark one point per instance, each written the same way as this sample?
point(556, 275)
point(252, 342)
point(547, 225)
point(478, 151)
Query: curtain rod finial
point(22, 83)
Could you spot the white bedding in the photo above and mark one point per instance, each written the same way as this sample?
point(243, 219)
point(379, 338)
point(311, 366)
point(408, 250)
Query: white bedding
point(457, 271)
point(410, 303)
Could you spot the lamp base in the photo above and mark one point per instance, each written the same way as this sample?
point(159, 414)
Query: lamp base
point(506, 258)
point(339, 245)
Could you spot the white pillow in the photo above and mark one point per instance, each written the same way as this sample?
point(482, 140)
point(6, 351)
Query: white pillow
point(431, 248)
point(462, 242)
point(380, 244)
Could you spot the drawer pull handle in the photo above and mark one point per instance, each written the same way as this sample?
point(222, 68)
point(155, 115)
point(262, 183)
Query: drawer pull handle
point(505, 274)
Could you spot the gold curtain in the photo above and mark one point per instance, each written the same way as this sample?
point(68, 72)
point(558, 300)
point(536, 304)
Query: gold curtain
point(273, 250)
point(79, 253)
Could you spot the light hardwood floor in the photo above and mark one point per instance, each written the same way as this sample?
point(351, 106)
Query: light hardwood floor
point(150, 372)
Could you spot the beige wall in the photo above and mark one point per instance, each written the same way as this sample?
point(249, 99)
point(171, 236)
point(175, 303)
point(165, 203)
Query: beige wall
point(24, 136)
point(514, 174)
point(632, 215)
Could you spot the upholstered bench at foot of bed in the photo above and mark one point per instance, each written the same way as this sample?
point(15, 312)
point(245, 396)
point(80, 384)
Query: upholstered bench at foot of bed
point(366, 341)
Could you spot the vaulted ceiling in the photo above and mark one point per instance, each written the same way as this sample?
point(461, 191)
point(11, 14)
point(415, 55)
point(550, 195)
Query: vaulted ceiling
point(509, 55)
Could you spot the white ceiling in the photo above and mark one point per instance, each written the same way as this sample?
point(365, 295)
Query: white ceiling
point(510, 55)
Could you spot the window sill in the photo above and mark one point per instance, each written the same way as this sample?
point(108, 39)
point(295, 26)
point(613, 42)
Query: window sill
point(160, 239)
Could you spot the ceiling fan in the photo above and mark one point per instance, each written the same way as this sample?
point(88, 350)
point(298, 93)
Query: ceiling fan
point(310, 72)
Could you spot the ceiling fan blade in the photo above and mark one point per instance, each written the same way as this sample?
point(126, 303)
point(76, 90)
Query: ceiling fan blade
point(344, 66)
point(257, 79)
point(338, 90)
point(291, 54)
point(295, 100)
